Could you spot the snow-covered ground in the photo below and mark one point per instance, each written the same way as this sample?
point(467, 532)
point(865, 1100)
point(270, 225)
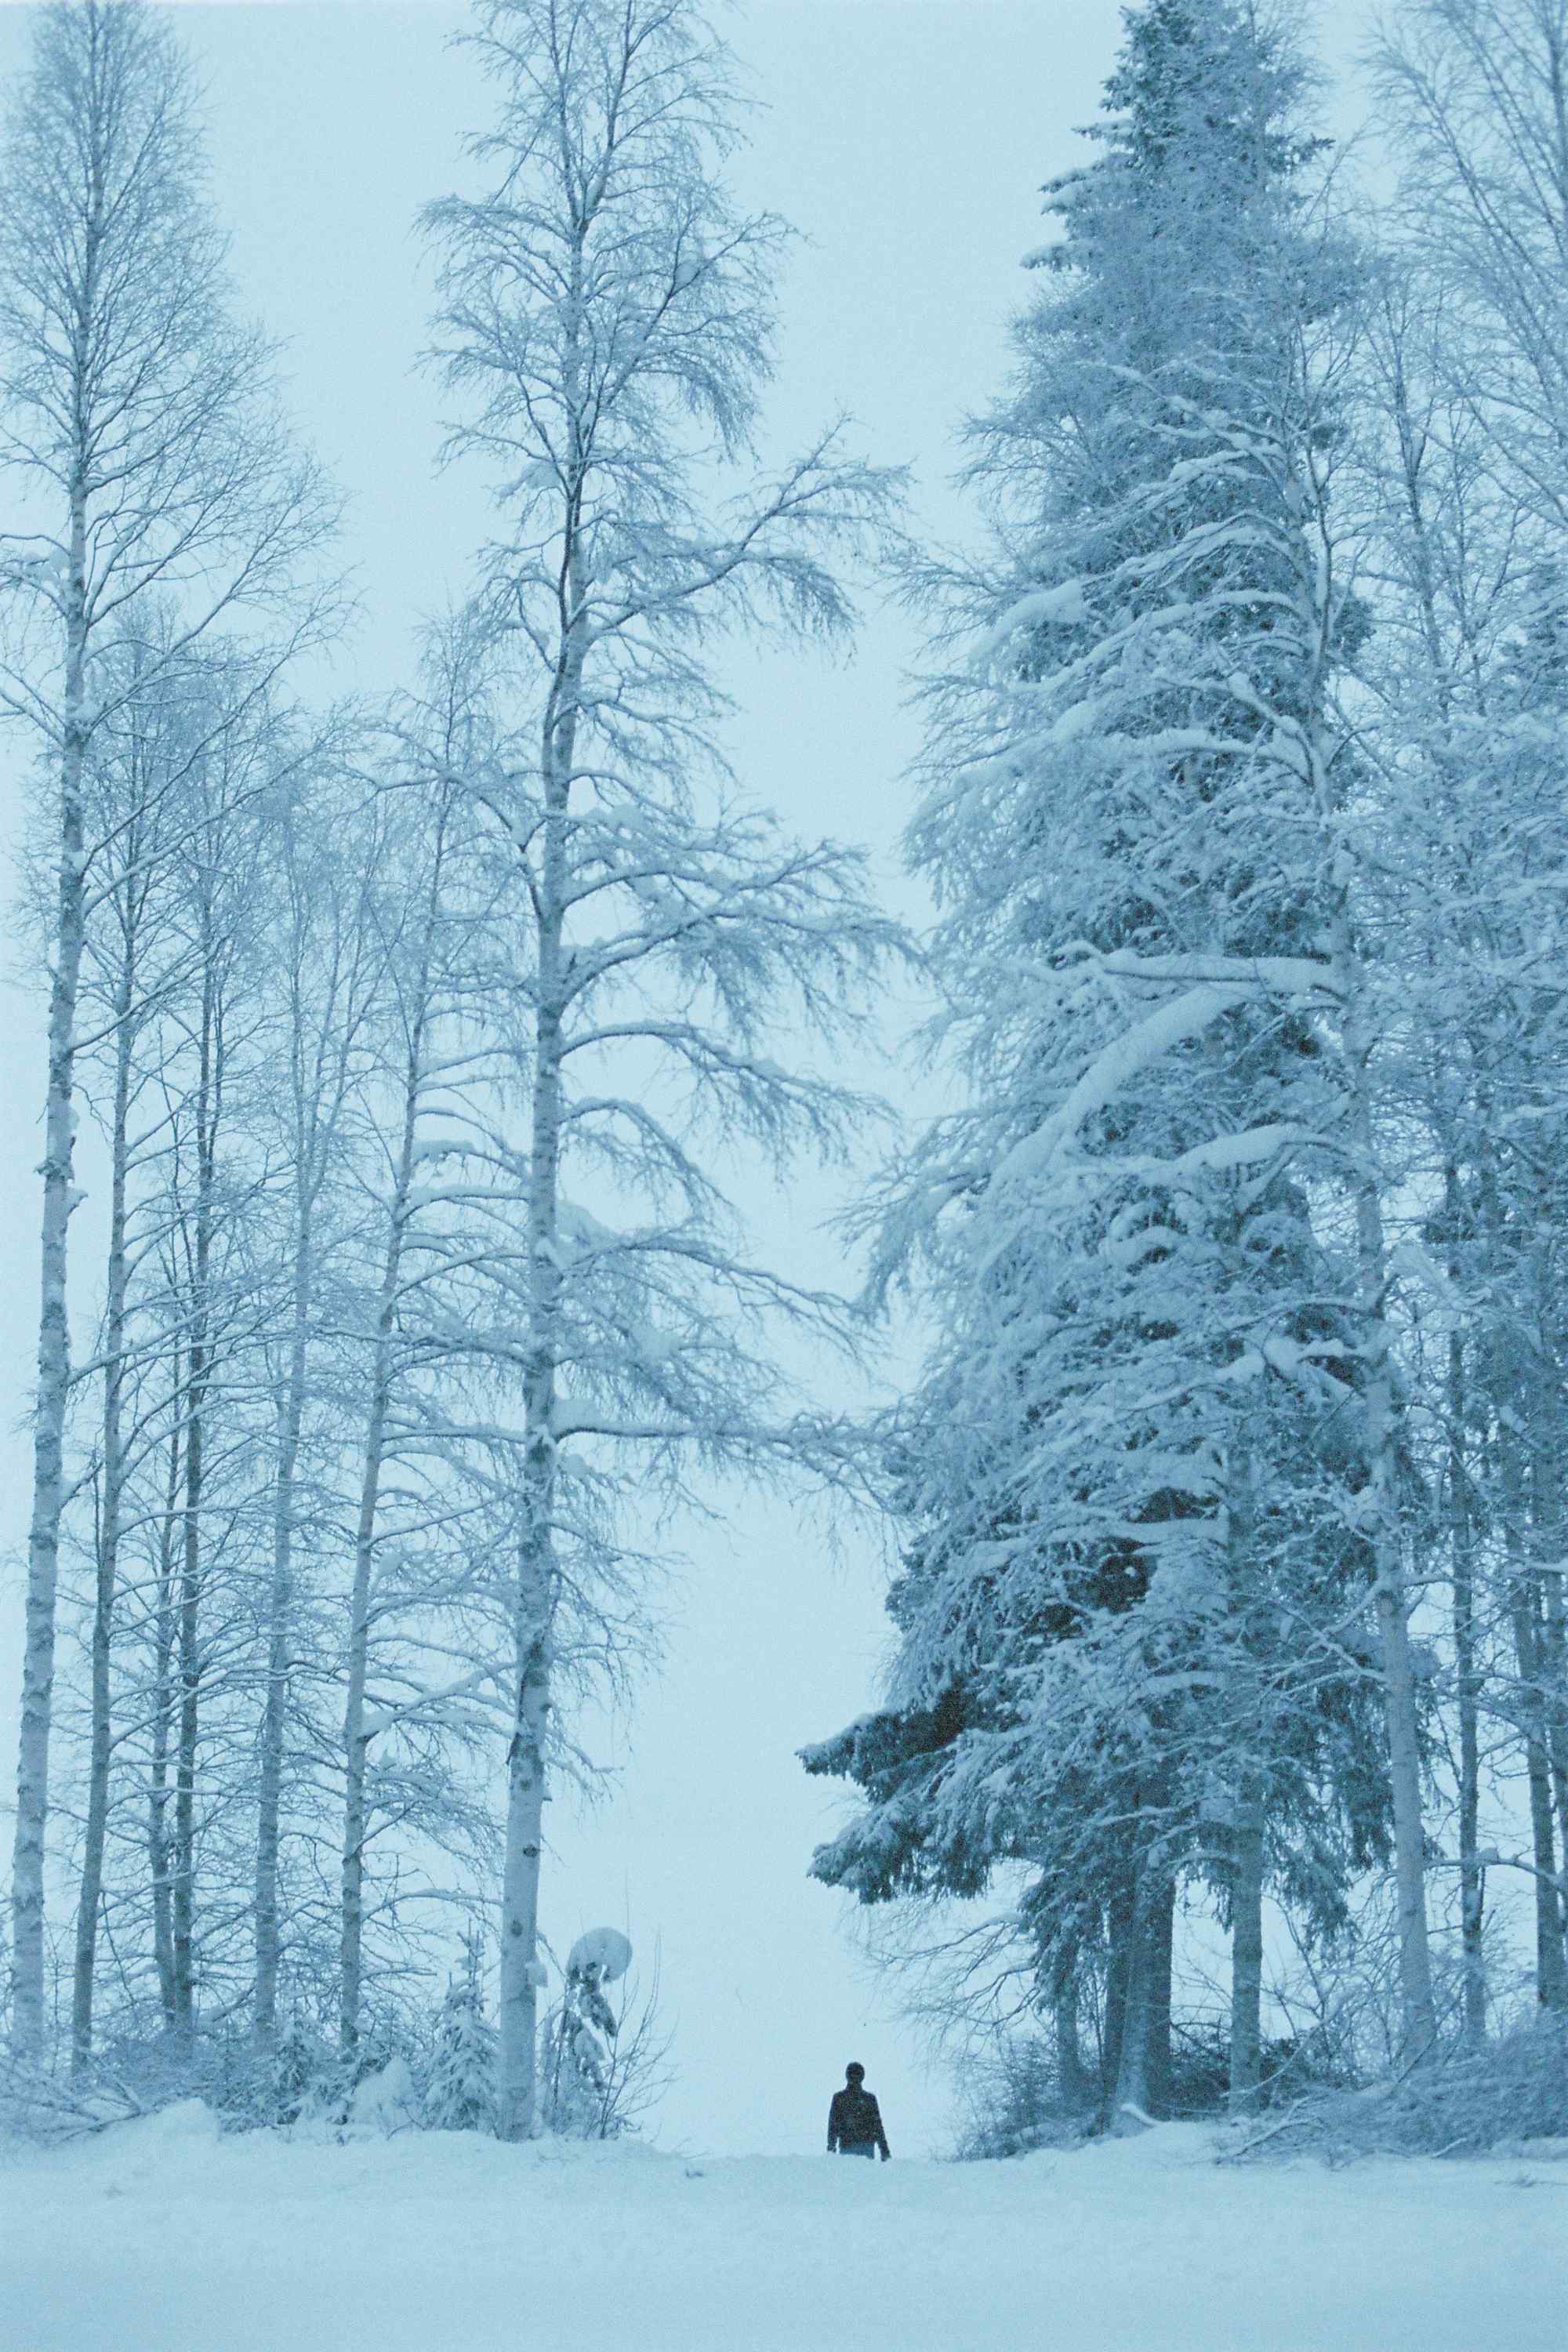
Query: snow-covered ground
point(161, 2237)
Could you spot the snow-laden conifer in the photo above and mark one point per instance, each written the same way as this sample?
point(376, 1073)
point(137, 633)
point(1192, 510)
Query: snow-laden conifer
point(460, 2088)
point(1151, 1475)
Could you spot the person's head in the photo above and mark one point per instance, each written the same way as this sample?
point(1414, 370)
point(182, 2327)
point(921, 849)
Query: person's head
point(855, 2073)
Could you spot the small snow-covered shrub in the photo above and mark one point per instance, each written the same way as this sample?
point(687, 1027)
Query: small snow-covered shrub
point(1200, 2067)
point(1458, 2102)
point(43, 2104)
point(387, 2100)
point(460, 2088)
point(303, 2079)
point(598, 2074)
point(1012, 2102)
point(1517, 2088)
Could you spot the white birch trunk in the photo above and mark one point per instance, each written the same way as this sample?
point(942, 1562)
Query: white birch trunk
point(280, 1627)
point(110, 1514)
point(199, 1375)
point(54, 1335)
point(1390, 1595)
point(1544, 1590)
point(351, 1955)
point(1472, 1873)
point(351, 1945)
point(159, 1847)
point(1550, 1969)
point(536, 1586)
point(1381, 1501)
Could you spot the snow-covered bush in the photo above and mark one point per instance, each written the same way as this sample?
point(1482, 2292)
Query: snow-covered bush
point(1515, 2089)
point(305, 2075)
point(597, 2074)
point(1012, 2100)
point(40, 2104)
point(386, 2101)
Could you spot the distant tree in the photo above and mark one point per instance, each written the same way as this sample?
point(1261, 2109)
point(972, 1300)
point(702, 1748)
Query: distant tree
point(137, 967)
point(334, 847)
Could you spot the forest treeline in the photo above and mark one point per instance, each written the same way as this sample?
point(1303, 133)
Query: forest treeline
point(405, 1053)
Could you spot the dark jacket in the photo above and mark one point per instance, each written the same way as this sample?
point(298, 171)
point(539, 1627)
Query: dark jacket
point(855, 2121)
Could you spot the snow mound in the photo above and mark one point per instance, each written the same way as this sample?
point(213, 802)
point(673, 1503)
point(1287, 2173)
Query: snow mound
point(605, 1949)
point(387, 2101)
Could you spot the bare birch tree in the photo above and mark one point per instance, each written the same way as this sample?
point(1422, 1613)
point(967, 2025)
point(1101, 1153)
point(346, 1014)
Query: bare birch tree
point(607, 315)
point(332, 855)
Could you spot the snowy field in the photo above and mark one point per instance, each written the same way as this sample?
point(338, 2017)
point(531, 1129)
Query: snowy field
point(161, 2237)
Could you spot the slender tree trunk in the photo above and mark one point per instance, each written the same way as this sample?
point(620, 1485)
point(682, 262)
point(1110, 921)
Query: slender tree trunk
point(533, 1620)
point(1515, 1395)
point(183, 1874)
point(1071, 2073)
point(1554, 1666)
point(352, 1896)
point(1550, 1972)
point(91, 1892)
point(1121, 1911)
point(351, 1878)
point(1246, 1955)
point(1359, 1139)
point(520, 1882)
point(54, 1335)
point(1420, 2016)
point(1142, 2074)
point(1162, 1955)
point(198, 1376)
point(108, 1541)
point(1462, 1552)
point(1544, 1596)
point(1391, 1599)
point(536, 1583)
point(159, 1843)
point(1248, 1824)
point(280, 1636)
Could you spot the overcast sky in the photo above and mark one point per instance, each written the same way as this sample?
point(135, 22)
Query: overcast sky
point(907, 140)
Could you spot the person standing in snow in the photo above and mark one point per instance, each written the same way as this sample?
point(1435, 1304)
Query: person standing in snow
point(854, 2118)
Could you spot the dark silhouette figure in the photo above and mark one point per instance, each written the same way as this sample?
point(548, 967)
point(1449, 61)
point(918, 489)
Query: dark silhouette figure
point(855, 2120)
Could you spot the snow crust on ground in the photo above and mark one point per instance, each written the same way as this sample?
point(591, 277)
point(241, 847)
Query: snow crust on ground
point(165, 2236)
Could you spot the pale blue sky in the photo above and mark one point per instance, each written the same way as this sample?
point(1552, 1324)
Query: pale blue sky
point(907, 139)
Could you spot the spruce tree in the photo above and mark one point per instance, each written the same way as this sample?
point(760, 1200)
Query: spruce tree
point(460, 2094)
point(1135, 1643)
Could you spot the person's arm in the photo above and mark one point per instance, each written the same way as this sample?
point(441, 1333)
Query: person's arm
point(832, 2125)
point(881, 2134)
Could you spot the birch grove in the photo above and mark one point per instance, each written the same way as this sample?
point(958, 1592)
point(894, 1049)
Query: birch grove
point(137, 432)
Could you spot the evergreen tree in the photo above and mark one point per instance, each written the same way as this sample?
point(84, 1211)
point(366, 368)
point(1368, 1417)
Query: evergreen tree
point(460, 2094)
point(1134, 1637)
